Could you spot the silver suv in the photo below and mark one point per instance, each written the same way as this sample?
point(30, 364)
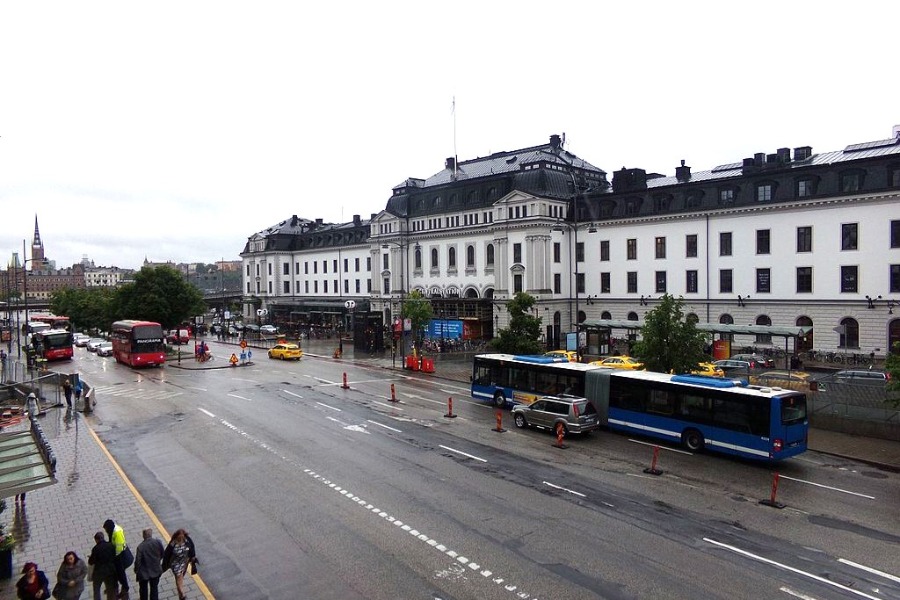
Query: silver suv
point(862, 377)
point(573, 413)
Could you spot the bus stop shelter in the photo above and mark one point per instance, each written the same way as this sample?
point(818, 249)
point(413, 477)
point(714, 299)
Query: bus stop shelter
point(26, 461)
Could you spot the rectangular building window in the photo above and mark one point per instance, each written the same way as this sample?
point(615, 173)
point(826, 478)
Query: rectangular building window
point(631, 249)
point(804, 239)
point(660, 247)
point(604, 283)
point(604, 250)
point(850, 182)
point(517, 283)
point(691, 282)
point(726, 285)
point(306, 267)
point(357, 286)
point(368, 264)
point(762, 241)
point(895, 234)
point(804, 280)
point(763, 281)
point(764, 192)
point(356, 265)
point(850, 278)
point(556, 252)
point(579, 283)
point(725, 243)
point(385, 262)
point(579, 252)
point(849, 236)
point(690, 245)
point(286, 287)
point(631, 285)
point(894, 281)
point(286, 268)
point(517, 253)
point(804, 188)
point(557, 283)
point(660, 282)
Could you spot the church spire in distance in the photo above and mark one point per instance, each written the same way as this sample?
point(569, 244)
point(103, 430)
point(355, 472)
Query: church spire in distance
point(37, 247)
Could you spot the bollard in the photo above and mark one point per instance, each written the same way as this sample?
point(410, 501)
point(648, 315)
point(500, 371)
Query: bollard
point(560, 434)
point(450, 414)
point(499, 427)
point(344, 385)
point(653, 470)
point(393, 393)
point(771, 500)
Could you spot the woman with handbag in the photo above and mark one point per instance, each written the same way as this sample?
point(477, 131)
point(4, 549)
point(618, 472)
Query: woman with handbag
point(180, 554)
point(70, 578)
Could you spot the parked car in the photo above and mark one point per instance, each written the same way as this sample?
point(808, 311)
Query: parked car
point(757, 361)
point(734, 368)
point(268, 329)
point(792, 380)
point(81, 340)
point(619, 362)
point(708, 369)
point(573, 413)
point(94, 343)
point(862, 377)
point(178, 336)
point(251, 328)
point(105, 349)
point(286, 352)
point(569, 355)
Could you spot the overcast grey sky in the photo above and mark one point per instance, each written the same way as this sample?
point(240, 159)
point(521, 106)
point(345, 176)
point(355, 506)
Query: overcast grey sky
point(175, 130)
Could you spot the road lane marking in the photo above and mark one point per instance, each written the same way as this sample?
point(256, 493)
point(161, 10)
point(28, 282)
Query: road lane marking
point(206, 412)
point(393, 405)
point(769, 561)
point(329, 406)
point(292, 394)
point(463, 453)
point(791, 592)
point(893, 578)
point(240, 397)
point(661, 447)
point(382, 425)
point(564, 489)
point(827, 487)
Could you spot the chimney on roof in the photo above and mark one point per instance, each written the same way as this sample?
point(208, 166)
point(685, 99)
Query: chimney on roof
point(683, 173)
point(294, 221)
point(356, 221)
point(759, 159)
point(555, 141)
point(802, 153)
point(784, 155)
point(450, 163)
point(372, 217)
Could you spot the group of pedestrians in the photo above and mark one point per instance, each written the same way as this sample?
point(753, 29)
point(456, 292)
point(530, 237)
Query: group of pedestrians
point(107, 566)
point(68, 388)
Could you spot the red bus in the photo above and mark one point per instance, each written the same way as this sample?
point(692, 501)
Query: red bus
point(52, 344)
point(138, 343)
point(53, 321)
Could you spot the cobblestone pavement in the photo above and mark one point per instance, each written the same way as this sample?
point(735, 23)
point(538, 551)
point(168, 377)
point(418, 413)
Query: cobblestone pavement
point(91, 487)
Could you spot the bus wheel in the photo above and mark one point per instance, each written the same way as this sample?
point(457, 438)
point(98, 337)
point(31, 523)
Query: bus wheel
point(692, 440)
point(499, 400)
point(521, 423)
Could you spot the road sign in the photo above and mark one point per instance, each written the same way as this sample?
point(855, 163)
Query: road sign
point(243, 343)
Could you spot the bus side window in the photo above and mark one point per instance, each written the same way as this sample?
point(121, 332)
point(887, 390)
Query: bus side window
point(661, 402)
point(696, 408)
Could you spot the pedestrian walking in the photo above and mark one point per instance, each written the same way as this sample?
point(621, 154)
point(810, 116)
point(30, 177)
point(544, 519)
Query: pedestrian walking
point(70, 577)
point(33, 585)
point(179, 555)
point(31, 406)
point(79, 387)
point(148, 569)
point(103, 561)
point(124, 557)
point(67, 391)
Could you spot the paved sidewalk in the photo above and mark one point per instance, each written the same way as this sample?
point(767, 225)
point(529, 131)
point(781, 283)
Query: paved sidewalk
point(90, 488)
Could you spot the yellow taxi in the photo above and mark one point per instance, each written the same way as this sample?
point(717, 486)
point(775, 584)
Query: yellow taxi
point(286, 352)
point(793, 380)
point(619, 362)
point(708, 369)
point(569, 355)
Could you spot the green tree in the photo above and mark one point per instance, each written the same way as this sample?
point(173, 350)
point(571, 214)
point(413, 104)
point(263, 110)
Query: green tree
point(159, 294)
point(892, 366)
point(419, 311)
point(522, 335)
point(93, 308)
point(669, 343)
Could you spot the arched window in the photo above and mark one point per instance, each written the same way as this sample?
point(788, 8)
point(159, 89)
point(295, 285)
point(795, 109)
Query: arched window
point(418, 258)
point(805, 343)
point(632, 316)
point(470, 256)
point(434, 258)
point(691, 318)
point(451, 257)
point(726, 319)
point(763, 338)
point(849, 333)
point(489, 260)
point(893, 335)
point(606, 316)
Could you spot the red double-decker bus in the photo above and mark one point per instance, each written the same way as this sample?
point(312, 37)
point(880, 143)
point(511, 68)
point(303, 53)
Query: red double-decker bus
point(52, 344)
point(53, 321)
point(138, 343)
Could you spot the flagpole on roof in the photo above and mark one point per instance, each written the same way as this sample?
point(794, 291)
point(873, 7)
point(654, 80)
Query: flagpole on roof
point(453, 112)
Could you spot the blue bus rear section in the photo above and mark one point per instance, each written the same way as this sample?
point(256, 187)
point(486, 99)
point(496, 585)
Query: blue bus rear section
point(721, 415)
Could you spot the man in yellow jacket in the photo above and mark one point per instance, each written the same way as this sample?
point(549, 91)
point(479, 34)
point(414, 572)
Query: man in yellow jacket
point(124, 557)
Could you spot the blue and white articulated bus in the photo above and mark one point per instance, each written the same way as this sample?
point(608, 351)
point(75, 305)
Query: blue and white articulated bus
point(721, 415)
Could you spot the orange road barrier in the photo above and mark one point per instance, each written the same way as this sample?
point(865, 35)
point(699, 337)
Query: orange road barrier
point(771, 500)
point(560, 434)
point(499, 427)
point(345, 386)
point(653, 470)
point(393, 393)
point(450, 414)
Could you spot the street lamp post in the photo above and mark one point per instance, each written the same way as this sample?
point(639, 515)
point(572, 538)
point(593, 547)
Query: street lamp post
point(404, 272)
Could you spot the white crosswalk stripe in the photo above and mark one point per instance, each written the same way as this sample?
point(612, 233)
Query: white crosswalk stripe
point(135, 392)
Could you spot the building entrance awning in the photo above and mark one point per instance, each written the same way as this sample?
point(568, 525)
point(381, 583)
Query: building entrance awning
point(24, 463)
